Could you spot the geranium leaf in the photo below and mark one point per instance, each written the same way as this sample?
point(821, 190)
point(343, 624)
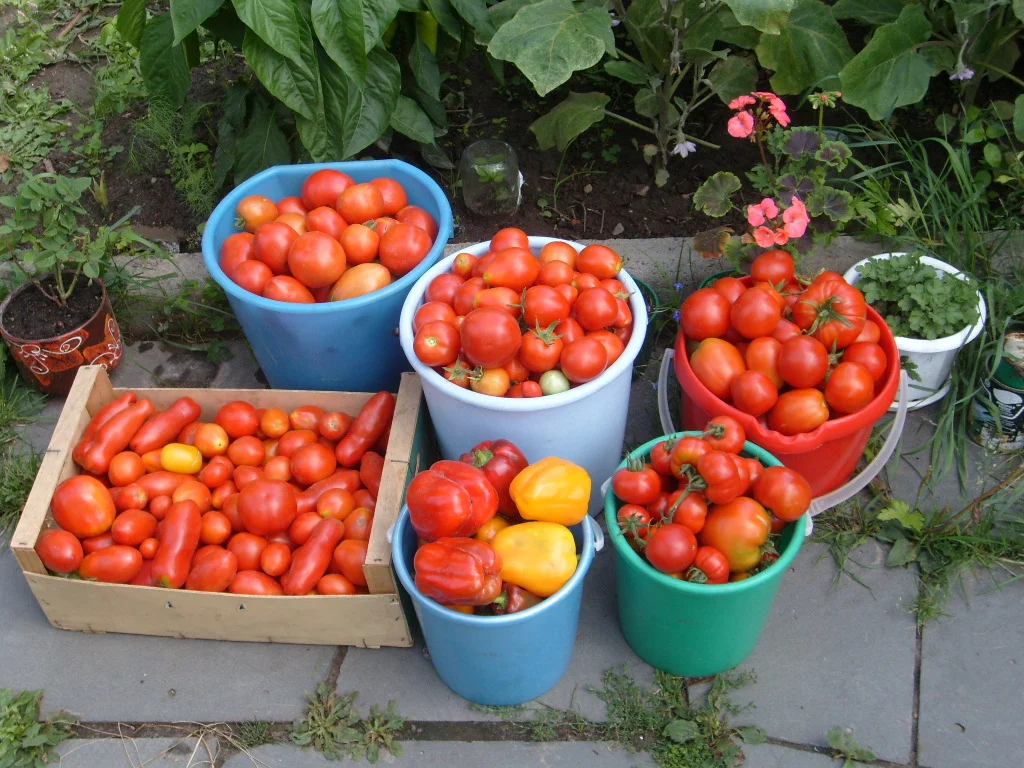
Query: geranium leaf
point(837, 204)
point(801, 142)
point(714, 196)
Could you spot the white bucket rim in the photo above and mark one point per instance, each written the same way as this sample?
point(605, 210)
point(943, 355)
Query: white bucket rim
point(929, 346)
point(510, 404)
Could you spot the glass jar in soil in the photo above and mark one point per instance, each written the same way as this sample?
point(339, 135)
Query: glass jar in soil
point(490, 178)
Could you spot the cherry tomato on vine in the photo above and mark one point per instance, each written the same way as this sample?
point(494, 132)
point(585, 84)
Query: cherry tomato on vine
point(636, 483)
point(724, 433)
point(671, 548)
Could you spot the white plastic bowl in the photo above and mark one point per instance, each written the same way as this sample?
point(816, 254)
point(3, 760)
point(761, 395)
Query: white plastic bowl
point(933, 357)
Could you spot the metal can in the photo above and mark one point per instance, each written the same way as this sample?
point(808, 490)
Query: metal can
point(1003, 388)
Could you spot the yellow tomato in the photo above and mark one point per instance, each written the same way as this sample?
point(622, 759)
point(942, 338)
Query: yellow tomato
point(490, 529)
point(493, 381)
point(178, 457)
point(360, 280)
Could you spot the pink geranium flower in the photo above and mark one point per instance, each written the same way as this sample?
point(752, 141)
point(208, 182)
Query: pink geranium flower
point(765, 237)
point(776, 106)
point(741, 125)
point(741, 101)
point(795, 219)
point(758, 214)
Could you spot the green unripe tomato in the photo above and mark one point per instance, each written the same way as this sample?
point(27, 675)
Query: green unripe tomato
point(553, 382)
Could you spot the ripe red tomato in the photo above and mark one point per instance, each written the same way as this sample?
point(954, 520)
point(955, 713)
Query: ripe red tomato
point(569, 330)
point(254, 583)
point(292, 204)
point(612, 344)
point(271, 243)
point(358, 524)
point(501, 298)
point(275, 559)
point(595, 309)
point(868, 354)
point(705, 314)
point(600, 261)
point(238, 418)
point(267, 506)
point(236, 249)
point(636, 483)
point(803, 361)
point(515, 268)
point(335, 584)
point(730, 287)
point(833, 311)
point(116, 564)
point(316, 260)
point(850, 388)
point(541, 351)
point(83, 506)
point(418, 217)
point(716, 363)
point(687, 508)
point(490, 337)
point(433, 312)
point(463, 265)
point(247, 549)
point(709, 567)
point(132, 527)
point(775, 267)
point(543, 305)
point(723, 477)
point(786, 329)
point(754, 393)
point(286, 288)
point(216, 528)
point(798, 410)
point(442, 288)
point(403, 247)
point(763, 356)
point(687, 452)
point(555, 273)
point(738, 530)
point(125, 468)
point(671, 548)
point(392, 193)
point(252, 275)
point(783, 492)
point(246, 451)
point(59, 550)
point(305, 417)
point(465, 295)
point(437, 343)
point(661, 458)
point(360, 243)
point(633, 521)
point(313, 463)
point(755, 313)
point(724, 433)
point(324, 187)
point(349, 557)
point(583, 359)
point(510, 237)
point(557, 250)
point(327, 220)
point(256, 210)
point(360, 203)
point(294, 439)
point(869, 333)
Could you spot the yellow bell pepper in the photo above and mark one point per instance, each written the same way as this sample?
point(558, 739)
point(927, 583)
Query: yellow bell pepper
point(552, 490)
point(539, 557)
point(178, 457)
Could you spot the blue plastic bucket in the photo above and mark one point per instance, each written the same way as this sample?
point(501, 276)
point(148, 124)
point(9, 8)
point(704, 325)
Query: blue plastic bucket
point(347, 345)
point(498, 660)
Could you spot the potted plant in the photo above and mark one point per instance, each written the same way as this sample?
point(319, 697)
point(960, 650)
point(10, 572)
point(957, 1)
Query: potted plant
point(58, 317)
point(932, 308)
point(490, 178)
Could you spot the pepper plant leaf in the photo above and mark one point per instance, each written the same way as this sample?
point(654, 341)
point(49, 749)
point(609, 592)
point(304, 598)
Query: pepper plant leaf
point(350, 29)
point(187, 15)
point(131, 21)
point(569, 119)
point(262, 143)
point(810, 48)
point(409, 120)
point(162, 63)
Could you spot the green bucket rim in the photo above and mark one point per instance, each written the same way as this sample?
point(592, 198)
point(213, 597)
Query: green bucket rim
point(710, 280)
point(788, 554)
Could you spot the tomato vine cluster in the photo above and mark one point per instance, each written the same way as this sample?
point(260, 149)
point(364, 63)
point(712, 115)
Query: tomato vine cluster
point(255, 502)
point(699, 511)
point(512, 323)
point(335, 241)
point(794, 352)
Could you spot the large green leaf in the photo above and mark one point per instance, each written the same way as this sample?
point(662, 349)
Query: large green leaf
point(261, 145)
point(474, 12)
point(162, 63)
point(409, 120)
point(225, 25)
point(1018, 9)
point(131, 20)
point(502, 12)
point(647, 30)
point(569, 119)
point(1018, 117)
point(873, 12)
point(889, 72)
point(810, 48)
point(719, 26)
point(423, 65)
point(289, 82)
point(768, 16)
point(733, 77)
point(444, 13)
point(627, 70)
point(550, 40)
point(280, 25)
point(229, 127)
point(187, 15)
point(349, 29)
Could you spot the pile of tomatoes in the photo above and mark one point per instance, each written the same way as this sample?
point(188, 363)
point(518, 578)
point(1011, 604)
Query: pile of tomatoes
point(512, 323)
point(701, 512)
point(256, 501)
point(335, 241)
point(795, 352)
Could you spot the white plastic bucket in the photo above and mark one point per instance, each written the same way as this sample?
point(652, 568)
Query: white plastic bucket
point(585, 425)
point(933, 357)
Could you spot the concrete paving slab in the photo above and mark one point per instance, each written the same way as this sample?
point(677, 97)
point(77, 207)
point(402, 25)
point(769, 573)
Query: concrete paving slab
point(133, 678)
point(407, 676)
point(131, 753)
point(837, 654)
point(972, 672)
point(775, 756)
point(504, 754)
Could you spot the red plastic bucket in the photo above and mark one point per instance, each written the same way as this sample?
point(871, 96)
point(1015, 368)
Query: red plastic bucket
point(827, 456)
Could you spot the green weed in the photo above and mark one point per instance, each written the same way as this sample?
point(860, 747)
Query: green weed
point(28, 129)
point(847, 749)
point(333, 726)
point(117, 84)
point(254, 733)
point(25, 742)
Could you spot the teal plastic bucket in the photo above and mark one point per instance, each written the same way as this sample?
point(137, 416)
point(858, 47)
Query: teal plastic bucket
point(694, 630)
point(349, 345)
point(498, 660)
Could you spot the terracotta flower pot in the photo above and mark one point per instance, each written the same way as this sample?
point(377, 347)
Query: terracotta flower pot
point(50, 365)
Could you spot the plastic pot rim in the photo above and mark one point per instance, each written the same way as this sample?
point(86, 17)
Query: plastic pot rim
point(511, 404)
point(786, 557)
point(929, 346)
point(229, 203)
point(405, 576)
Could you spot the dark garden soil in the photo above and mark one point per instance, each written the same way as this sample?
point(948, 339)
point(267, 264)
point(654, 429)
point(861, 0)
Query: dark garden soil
point(33, 317)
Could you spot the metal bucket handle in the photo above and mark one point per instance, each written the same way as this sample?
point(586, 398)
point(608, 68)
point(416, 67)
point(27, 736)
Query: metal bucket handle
point(832, 498)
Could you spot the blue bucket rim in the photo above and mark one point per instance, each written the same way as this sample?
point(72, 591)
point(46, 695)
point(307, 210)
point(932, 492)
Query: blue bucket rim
point(227, 206)
point(786, 557)
point(408, 583)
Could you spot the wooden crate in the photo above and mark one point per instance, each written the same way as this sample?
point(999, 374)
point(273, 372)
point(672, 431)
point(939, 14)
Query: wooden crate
point(368, 621)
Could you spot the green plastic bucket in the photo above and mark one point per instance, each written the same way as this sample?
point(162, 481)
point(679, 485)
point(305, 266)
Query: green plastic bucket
point(694, 630)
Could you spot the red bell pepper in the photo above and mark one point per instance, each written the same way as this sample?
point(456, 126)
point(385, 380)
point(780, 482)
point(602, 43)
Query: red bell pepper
point(450, 499)
point(458, 571)
point(513, 599)
point(501, 461)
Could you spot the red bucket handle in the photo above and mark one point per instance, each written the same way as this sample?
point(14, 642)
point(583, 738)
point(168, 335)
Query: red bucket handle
point(832, 498)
